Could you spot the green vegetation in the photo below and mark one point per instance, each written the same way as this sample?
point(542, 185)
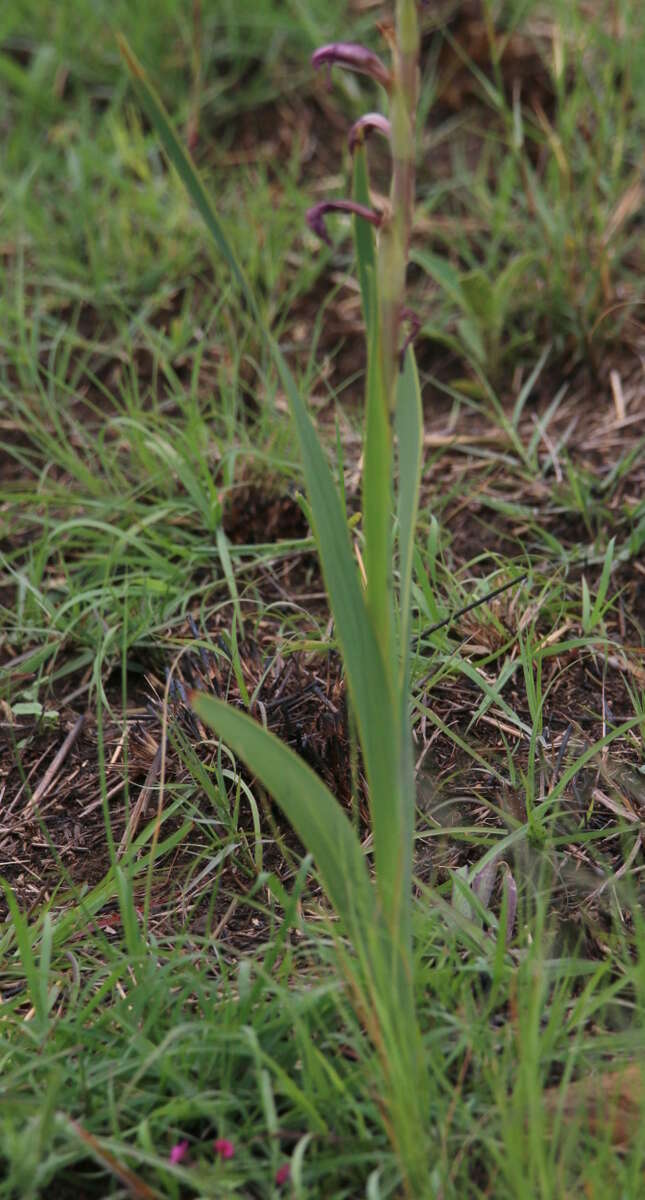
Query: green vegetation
point(174, 983)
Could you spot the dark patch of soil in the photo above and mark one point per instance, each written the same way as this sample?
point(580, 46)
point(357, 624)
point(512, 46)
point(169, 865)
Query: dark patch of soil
point(253, 515)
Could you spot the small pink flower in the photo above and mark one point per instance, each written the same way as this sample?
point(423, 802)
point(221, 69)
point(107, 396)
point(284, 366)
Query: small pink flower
point(282, 1174)
point(178, 1152)
point(224, 1148)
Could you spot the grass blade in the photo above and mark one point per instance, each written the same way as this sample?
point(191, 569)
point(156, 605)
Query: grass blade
point(181, 161)
point(603, 585)
point(36, 979)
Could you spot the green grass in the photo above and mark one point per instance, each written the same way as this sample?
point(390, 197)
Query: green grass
point(136, 403)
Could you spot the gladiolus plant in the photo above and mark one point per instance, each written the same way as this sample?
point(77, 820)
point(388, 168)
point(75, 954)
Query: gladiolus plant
point(372, 623)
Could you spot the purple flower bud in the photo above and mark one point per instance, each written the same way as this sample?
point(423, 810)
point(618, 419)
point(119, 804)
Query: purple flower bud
point(362, 128)
point(316, 215)
point(354, 58)
point(415, 324)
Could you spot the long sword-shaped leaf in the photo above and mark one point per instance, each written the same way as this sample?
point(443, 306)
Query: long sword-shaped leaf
point(377, 712)
point(309, 806)
point(377, 497)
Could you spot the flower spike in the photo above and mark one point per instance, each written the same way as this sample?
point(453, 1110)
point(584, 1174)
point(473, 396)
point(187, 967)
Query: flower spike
point(316, 215)
point(362, 128)
point(354, 58)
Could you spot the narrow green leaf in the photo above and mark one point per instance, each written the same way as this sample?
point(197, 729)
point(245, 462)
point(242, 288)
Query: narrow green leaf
point(44, 963)
point(527, 387)
point(603, 585)
point(129, 918)
point(409, 433)
point(236, 663)
point(586, 606)
point(24, 939)
point(184, 167)
point(309, 806)
point(229, 575)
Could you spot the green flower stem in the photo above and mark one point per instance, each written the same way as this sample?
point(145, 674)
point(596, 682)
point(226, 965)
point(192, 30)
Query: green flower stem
point(393, 247)
point(395, 234)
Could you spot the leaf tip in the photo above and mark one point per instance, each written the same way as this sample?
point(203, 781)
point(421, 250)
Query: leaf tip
point(132, 62)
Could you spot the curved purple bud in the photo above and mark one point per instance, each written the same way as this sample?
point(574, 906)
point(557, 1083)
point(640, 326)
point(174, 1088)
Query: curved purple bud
point(362, 128)
point(415, 324)
point(316, 216)
point(354, 58)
